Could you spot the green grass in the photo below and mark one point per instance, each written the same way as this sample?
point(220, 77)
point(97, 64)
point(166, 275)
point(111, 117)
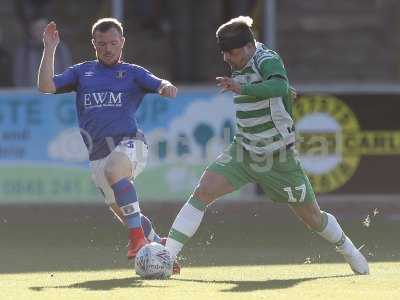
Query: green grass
point(240, 252)
point(305, 281)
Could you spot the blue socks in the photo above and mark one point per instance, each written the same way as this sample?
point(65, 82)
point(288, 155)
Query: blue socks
point(126, 198)
point(148, 230)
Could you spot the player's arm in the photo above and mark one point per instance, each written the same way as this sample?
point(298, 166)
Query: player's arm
point(149, 81)
point(51, 40)
point(274, 84)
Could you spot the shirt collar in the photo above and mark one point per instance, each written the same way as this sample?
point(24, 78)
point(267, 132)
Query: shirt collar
point(259, 46)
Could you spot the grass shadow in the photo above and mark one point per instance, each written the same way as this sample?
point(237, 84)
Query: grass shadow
point(137, 282)
point(254, 285)
point(99, 285)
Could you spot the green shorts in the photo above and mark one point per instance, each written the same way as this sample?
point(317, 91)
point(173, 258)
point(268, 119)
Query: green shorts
point(280, 175)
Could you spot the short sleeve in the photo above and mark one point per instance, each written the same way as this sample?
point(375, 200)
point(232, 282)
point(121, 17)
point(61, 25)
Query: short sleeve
point(67, 81)
point(146, 80)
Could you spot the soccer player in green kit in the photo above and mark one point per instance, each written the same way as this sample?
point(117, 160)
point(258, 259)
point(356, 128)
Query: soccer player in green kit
point(262, 151)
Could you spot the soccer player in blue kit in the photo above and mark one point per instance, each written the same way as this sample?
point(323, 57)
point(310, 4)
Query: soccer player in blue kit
point(108, 93)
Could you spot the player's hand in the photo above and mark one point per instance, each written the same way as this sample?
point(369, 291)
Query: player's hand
point(228, 84)
point(168, 90)
point(293, 93)
point(51, 39)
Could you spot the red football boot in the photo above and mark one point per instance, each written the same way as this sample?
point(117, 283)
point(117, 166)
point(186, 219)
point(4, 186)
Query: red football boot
point(176, 268)
point(136, 241)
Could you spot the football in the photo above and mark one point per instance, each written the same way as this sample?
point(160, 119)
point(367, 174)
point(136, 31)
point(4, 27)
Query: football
point(153, 261)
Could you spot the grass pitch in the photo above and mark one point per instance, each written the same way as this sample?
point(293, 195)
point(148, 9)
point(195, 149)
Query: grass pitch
point(306, 281)
point(247, 252)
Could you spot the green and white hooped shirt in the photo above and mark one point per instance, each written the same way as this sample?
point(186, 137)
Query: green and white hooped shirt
point(264, 107)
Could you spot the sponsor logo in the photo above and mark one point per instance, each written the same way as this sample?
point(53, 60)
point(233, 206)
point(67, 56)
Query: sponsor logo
point(102, 99)
point(331, 142)
point(163, 256)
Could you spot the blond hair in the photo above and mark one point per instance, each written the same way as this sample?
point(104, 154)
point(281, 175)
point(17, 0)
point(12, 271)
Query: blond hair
point(235, 25)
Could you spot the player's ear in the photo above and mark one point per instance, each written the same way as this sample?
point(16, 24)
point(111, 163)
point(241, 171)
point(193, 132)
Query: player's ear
point(249, 46)
point(93, 43)
point(123, 41)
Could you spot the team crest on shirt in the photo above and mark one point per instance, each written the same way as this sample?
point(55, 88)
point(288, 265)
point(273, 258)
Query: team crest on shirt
point(121, 74)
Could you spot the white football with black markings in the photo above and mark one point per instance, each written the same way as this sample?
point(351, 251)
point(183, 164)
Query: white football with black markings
point(153, 261)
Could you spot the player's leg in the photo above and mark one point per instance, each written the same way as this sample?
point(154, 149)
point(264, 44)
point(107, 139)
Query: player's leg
point(223, 176)
point(147, 225)
point(148, 229)
point(287, 182)
point(124, 163)
point(117, 212)
point(210, 187)
point(326, 225)
point(118, 171)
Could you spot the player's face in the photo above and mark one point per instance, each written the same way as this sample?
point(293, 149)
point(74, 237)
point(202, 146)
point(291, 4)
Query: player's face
point(108, 46)
point(237, 58)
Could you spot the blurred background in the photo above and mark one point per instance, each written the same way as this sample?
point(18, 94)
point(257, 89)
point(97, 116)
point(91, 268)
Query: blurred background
point(342, 57)
point(320, 41)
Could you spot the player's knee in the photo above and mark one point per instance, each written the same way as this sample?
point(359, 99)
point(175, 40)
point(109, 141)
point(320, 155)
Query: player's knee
point(204, 193)
point(115, 171)
point(111, 173)
point(313, 220)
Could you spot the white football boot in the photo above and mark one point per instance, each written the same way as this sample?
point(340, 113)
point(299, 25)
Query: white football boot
point(354, 257)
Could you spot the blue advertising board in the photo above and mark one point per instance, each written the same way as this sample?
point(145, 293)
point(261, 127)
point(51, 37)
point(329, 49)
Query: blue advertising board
point(43, 158)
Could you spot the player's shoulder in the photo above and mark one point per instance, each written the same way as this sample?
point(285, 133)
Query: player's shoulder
point(263, 53)
point(84, 66)
point(133, 67)
point(137, 70)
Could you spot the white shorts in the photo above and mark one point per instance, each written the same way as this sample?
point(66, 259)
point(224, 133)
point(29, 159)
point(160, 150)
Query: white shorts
point(137, 152)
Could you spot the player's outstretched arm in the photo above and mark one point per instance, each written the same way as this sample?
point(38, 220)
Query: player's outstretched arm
point(273, 87)
point(51, 40)
point(167, 89)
